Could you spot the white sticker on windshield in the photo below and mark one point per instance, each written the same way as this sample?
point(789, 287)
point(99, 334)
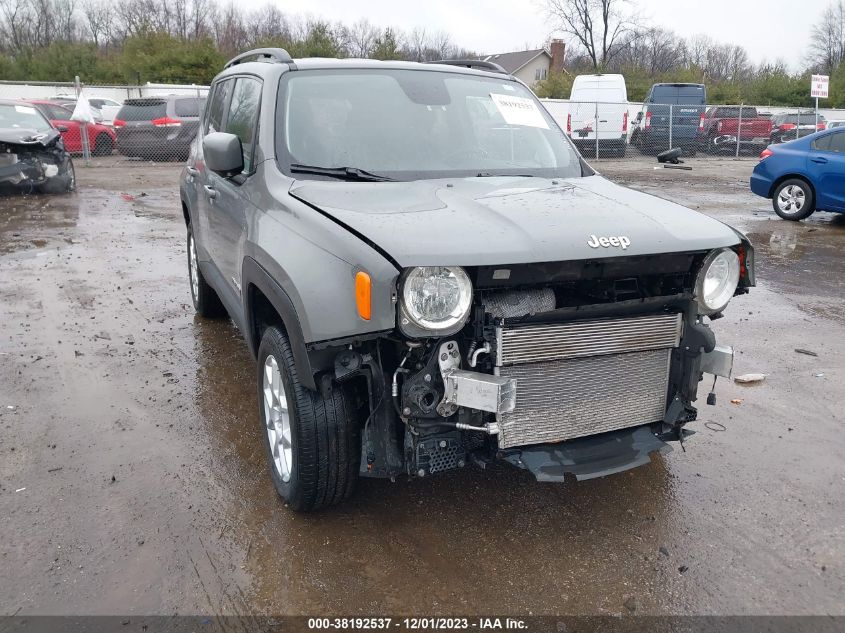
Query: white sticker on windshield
point(519, 111)
point(24, 109)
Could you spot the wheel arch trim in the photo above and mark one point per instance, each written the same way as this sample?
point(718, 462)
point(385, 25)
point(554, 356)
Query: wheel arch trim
point(799, 176)
point(255, 277)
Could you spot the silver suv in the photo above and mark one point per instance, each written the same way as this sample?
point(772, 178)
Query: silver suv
point(430, 276)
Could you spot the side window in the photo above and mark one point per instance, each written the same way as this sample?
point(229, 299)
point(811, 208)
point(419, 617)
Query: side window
point(823, 143)
point(243, 115)
point(837, 142)
point(217, 106)
point(187, 107)
point(54, 112)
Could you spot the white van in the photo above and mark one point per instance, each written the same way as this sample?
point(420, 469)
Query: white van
point(598, 104)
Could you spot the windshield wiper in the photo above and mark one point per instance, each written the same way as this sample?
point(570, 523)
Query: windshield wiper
point(487, 174)
point(343, 173)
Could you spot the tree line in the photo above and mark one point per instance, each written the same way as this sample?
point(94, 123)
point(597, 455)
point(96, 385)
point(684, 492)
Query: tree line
point(181, 41)
point(187, 41)
point(612, 36)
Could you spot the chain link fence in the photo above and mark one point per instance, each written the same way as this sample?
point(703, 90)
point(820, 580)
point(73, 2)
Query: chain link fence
point(157, 122)
point(152, 122)
point(603, 130)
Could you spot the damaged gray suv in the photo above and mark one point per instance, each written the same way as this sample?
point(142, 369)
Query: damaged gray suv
point(431, 277)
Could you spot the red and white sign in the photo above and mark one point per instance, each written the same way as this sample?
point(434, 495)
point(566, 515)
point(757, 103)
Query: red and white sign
point(818, 87)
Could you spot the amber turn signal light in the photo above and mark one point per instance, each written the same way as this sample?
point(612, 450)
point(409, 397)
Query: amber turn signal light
point(363, 295)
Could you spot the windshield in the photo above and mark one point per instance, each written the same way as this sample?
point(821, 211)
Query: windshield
point(409, 124)
point(23, 117)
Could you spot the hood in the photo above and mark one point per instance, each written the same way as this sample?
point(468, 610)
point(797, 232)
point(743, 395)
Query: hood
point(23, 136)
point(510, 220)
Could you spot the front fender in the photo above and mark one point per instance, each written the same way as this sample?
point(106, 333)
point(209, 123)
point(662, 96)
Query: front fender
point(253, 278)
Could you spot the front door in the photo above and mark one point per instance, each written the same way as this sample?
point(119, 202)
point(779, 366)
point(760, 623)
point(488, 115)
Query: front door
point(826, 163)
point(229, 199)
point(60, 117)
point(205, 181)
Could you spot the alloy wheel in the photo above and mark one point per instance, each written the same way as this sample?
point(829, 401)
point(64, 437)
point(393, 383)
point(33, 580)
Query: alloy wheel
point(277, 418)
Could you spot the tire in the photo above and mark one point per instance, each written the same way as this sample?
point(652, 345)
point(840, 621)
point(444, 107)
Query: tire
point(798, 201)
point(61, 183)
point(320, 466)
point(103, 145)
point(206, 302)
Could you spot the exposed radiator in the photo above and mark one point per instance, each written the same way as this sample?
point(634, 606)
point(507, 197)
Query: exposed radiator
point(585, 377)
point(575, 339)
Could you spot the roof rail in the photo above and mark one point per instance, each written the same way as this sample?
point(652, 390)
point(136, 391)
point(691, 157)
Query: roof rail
point(479, 64)
point(277, 55)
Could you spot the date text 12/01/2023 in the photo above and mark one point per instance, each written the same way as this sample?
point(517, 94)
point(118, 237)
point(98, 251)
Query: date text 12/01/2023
point(416, 624)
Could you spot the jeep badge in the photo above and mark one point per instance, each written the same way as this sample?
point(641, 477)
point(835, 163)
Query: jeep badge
point(606, 242)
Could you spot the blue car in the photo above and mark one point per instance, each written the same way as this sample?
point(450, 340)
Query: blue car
point(803, 175)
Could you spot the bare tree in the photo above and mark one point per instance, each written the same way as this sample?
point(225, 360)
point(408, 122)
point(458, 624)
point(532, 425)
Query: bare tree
point(655, 50)
point(599, 26)
point(441, 46)
point(827, 43)
point(17, 19)
point(362, 38)
point(417, 42)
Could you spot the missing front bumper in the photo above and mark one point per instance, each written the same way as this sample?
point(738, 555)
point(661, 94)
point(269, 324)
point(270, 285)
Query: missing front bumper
point(588, 457)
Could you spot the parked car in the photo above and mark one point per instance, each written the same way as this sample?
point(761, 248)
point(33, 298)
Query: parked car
point(101, 138)
point(723, 125)
point(32, 154)
point(158, 128)
point(672, 116)
point(832, 123)
point(428, 286)
point(804, 175)
point(108, 108)
point(598, 108)
point(788, 127)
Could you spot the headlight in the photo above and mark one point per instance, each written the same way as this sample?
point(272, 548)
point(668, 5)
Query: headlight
point(717, 280)
point(435, 299)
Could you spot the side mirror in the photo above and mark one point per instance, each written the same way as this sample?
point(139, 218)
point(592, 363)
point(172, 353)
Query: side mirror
point(223, 154)
point(62, 128)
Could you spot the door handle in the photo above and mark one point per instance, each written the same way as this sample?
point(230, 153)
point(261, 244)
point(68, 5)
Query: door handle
point(818, 159)
point(211, 191)
point(192, 171)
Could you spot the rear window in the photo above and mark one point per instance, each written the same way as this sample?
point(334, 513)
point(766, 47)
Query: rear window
point(678, 95)
point(734, 112)
point(143, 110)
point(189, 107)
point(804, 119)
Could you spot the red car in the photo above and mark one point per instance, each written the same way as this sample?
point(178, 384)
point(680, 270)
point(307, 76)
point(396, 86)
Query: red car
point(101, 138)
point(723, 124)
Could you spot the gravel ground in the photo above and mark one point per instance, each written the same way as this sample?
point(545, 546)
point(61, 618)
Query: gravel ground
point(133, 478)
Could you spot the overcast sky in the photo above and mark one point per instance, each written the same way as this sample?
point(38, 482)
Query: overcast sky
point(767, 28)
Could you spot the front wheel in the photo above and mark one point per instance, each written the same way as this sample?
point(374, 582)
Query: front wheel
point(793, 199)
point(312, 438)
point(103, 145)
point(61, 183)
